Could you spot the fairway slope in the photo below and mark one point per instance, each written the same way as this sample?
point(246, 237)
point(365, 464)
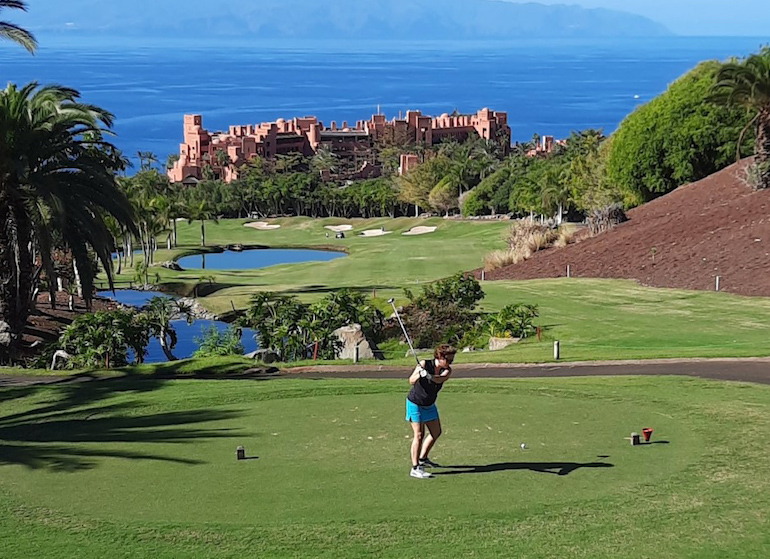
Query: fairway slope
point(714, 227)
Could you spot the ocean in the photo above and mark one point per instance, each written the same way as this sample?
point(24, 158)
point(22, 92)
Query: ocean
point(546, 87)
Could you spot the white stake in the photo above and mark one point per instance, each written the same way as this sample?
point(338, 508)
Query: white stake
point(568, 271)
point(556, 352)
point(718, 278)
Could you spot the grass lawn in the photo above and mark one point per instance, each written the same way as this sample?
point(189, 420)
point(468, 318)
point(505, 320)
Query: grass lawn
point(593, 319)
point(147, 468)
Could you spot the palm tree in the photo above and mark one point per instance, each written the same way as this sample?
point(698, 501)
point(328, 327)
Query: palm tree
point(290, 162)
point(14, 33)
point(57, 176)
point(325, 160)
point(747, 84)
point(201, 211)
point(147, 160)
point(171, 161)
point(222, 158)
point(554, 192)
point(158, 314)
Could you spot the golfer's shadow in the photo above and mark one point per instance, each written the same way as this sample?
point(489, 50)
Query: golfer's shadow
point(557, 468)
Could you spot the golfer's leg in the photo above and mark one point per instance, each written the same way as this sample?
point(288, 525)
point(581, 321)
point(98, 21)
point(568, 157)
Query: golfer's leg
point(418, 429)
point(434, 432)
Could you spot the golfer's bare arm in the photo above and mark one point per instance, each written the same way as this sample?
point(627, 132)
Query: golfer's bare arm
point(443, 377)
point(416, 373)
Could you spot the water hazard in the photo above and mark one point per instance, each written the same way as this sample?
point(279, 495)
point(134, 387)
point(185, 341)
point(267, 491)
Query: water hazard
point(186, 333)
point(257, 258)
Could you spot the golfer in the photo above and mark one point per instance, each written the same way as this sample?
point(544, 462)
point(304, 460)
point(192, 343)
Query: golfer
point(427, 380)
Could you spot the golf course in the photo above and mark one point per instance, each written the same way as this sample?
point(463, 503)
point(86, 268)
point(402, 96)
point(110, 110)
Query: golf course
point(593, 319)
point(395, 280)
point(144, 457)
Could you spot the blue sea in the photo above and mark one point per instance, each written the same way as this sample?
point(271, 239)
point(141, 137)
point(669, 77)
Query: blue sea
point(546, 87)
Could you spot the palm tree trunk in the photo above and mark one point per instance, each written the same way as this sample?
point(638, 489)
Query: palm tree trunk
point(203, 233)
point(16, 277)
point(762, 149)
point(78, 284)
point(164, 346)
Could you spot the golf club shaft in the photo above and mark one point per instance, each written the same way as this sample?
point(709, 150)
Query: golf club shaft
point(403, 329)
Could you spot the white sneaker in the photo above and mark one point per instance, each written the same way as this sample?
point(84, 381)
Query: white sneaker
point(419, 473)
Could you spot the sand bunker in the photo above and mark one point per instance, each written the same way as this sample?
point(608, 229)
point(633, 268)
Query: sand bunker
point(375, 233)
point(262, 226)
point(339, 228)
point(420, 230)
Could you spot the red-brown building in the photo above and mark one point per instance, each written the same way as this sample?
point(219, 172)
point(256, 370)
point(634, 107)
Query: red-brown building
point(352, 145)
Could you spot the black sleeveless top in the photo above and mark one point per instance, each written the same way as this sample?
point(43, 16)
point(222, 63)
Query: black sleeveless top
point(424, 392)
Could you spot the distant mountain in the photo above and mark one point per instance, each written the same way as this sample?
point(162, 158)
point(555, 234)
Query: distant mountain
point(333, 19)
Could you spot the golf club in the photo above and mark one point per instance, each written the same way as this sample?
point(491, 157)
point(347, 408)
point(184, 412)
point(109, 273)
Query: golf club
point(403, 329)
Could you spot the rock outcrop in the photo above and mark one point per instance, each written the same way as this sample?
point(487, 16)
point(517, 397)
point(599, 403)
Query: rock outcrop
point(353, 338)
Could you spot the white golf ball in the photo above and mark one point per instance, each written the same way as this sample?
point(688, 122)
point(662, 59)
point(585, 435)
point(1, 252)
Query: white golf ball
point(523, 446)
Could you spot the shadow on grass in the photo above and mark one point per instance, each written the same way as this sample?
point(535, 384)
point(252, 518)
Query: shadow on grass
point(557, 468)
point(56, 434)
point(365, 289)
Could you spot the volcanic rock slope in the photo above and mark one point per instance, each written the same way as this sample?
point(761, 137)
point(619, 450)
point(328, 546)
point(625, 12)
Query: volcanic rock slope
point(718, 226)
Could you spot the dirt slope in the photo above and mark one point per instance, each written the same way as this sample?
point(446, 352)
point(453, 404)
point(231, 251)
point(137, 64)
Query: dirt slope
point(715, 227)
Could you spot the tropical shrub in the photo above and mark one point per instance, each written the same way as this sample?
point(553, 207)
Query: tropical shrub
point(294, 329)
point(513, 321)
point(443, 311)
point(460, 289)
point(215, 343)
point(676, 138)
point(104, 339)
point(433, 322)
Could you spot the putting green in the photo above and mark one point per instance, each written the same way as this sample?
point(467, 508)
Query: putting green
point(169, 456)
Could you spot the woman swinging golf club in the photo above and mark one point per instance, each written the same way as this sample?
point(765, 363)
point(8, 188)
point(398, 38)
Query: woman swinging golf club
point(427, 380)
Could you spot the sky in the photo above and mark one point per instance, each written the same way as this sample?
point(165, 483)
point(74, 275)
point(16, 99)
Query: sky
point(692, 17)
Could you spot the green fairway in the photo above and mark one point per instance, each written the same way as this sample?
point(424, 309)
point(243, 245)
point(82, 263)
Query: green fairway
point(593, 319)
point(149, 466)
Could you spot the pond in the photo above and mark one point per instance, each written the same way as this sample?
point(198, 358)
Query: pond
point(186, 333)
point(256, 258)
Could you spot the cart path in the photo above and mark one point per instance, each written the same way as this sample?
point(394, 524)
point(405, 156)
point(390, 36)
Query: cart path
point(756, 370)
point(743, 370)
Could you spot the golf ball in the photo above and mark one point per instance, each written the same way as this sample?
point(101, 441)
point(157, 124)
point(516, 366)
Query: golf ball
point(523, 446)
